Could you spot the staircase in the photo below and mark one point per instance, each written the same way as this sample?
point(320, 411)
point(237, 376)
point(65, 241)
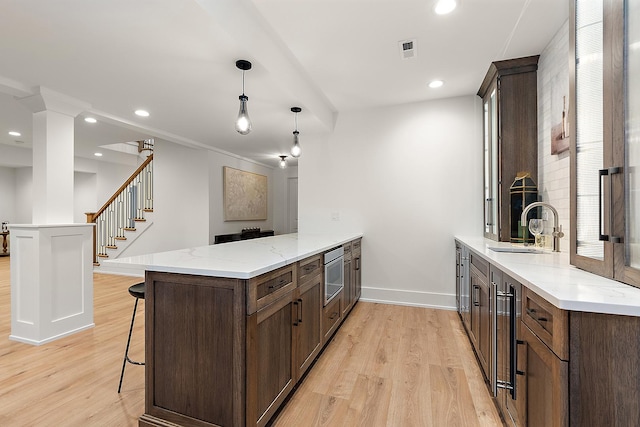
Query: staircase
point(125, 215)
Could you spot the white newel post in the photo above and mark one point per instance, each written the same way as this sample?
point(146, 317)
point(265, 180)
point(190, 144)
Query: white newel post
point(51, 259)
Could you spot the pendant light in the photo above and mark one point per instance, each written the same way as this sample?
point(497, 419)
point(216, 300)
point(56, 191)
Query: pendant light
point(283, 162)
point(243, 123)
point(295, 150)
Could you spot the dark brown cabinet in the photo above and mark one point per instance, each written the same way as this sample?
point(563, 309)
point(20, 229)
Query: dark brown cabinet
point(331, 317)
point(271, 374)
point(545, 384)
point(510, 125)
point(348, 290)
point(481, 323)
point(356, 259)
point(228, 352)
point(604, 159)
point(307, 318)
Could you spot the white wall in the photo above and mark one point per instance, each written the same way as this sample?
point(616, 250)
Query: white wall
point(181, 201)
point(217, 224)
point(84, 195)
point(553, 170)
point(410, 178)
point(24, 195)
point(7, 194)
point(281, 197)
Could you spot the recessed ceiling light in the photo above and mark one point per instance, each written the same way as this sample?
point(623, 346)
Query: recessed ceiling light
point(142, 113)
point(14, 133)
point(97, 154)
point(90, 120)
point(443, 7)
point(436, 84)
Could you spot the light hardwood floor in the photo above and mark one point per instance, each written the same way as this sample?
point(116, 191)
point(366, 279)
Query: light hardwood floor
point(387, 366)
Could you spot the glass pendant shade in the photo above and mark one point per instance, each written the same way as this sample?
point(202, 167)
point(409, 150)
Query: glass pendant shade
point(243, 123)
point(283, 162)
point(295, 150)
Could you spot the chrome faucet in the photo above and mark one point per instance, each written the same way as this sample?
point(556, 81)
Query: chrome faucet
point(557, 229)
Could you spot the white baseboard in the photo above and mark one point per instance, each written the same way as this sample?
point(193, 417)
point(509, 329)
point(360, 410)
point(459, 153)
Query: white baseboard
point(409, 298)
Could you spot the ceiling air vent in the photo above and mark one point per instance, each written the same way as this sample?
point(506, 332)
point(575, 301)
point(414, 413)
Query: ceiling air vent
point(408, 49)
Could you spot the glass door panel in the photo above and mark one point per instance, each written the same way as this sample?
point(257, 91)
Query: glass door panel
point(589, 126)
point(495, 190)
point(632, 134)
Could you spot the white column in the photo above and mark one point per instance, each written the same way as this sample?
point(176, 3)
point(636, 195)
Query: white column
point(53, 117)
point(51, 259)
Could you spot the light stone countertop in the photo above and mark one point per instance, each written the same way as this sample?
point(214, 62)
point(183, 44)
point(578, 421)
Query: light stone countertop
point(239, 260)
point(551, 276)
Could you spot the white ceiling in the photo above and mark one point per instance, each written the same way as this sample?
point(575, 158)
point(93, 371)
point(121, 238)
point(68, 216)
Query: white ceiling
point(176, 58)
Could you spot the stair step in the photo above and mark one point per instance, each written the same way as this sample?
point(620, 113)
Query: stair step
point(139, 219)
point(121, 237)
point(96, 264)
point(103, 255)
point(111, 247)
point(129, 229)
point(148, 210)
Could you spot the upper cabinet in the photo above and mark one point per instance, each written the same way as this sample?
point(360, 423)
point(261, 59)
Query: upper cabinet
point(605, 184)
point(510, 134)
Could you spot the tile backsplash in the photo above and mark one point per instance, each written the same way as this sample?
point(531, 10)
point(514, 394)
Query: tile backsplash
point(553, 169)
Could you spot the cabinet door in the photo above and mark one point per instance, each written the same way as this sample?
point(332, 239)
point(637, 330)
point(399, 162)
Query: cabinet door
point(481, 319)
point(357, 277)
point(485, 333)
point(491, 165)
point(347, 293)
point(544, 398)
point(307, 328)
point(270, 367)
point(605, 185)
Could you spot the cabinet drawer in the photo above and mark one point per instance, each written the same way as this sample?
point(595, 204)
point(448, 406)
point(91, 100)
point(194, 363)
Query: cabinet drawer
point(268, 287)
point(356, 246)
point(331, 317)
point(547, 321)
point(309, 268)
point(347, 250)
point(480, 264)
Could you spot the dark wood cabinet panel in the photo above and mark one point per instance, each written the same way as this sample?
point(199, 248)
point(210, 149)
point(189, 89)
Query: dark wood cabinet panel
point(189, 347)
point(604, 373)
point(307, 324)
point(347, 291)
point(331, 317)
point(546, 402)
point(274, 375)
point(481, 324)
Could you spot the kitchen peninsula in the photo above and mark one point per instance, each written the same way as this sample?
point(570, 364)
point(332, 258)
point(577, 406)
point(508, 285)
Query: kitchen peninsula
point(231, 328)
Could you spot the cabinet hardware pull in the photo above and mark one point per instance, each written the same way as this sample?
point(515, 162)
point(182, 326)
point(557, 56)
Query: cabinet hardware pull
point(519, 372)
point(333, 315)
point(513, 340)
point(602, 173)
point(476, 290)
point(542, 319)
point(300, 314)
point(295, 322)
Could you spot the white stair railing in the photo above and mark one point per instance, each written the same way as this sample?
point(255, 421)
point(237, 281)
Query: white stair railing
point(121, 212)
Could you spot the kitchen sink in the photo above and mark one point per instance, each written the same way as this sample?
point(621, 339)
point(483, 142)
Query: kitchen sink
point(515, 249)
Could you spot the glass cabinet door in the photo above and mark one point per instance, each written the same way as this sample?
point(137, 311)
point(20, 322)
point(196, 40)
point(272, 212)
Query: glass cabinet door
point(491, 188)
point(629, 248)
point(606, 187)
point(587, 250)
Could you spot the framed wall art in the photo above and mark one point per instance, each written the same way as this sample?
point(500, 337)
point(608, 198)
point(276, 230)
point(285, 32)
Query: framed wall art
point(245, 195)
